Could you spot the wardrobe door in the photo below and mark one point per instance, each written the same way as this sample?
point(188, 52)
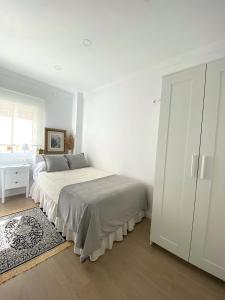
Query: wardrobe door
point(177, 160)
point(208, 240)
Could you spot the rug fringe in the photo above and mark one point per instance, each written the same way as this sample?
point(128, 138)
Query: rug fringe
point(33, 262)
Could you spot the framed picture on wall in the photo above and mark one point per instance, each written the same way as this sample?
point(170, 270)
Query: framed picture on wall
point(54, 141)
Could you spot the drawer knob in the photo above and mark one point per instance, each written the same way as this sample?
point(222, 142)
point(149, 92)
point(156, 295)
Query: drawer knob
point(16, 181)
point(16, 172)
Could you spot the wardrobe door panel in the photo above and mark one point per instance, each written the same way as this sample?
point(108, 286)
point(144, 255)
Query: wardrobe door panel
point(177, 160)
point(208, 240)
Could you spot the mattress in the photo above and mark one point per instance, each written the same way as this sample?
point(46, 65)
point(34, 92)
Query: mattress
point(53, 182)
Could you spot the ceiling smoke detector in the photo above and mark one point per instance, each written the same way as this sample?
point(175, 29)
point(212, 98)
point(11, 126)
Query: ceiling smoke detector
point(86, 42)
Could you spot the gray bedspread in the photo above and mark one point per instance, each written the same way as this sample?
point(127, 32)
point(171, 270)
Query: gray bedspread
point(95, 208)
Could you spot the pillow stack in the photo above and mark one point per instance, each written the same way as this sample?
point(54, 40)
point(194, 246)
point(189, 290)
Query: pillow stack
point(65, 162)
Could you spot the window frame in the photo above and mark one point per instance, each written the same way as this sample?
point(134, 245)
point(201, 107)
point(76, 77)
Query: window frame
point(20, 104)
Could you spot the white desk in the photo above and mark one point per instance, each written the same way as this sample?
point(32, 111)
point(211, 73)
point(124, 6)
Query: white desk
point(14, 176)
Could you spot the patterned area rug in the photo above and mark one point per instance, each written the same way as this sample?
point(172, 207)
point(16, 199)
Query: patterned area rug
point(24, 236)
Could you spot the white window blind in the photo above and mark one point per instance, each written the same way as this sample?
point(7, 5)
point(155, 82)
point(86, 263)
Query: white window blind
point(21, 120)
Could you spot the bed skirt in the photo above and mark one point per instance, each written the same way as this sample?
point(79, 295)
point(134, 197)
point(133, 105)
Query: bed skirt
point(50, 208)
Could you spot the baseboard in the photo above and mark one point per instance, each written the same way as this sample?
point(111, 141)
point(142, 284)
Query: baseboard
point(148, 214)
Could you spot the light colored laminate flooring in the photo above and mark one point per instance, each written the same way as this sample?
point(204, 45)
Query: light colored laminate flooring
point(131, 270)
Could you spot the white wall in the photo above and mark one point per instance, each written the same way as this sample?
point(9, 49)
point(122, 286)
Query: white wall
point(78, 121)
point(121, 121)
point(120, 128)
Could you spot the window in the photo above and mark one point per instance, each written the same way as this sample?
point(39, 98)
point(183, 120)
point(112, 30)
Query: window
point(21, 121)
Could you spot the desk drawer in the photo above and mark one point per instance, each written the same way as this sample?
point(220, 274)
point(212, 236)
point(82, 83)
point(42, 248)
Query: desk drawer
point(15, 182)
point(16, 172)
point(16, 177)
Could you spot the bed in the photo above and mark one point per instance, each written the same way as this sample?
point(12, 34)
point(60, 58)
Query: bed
point(89, 206)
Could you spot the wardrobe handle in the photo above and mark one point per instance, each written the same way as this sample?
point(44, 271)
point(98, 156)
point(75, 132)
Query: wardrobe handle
point(194, 165)
point(203, 167)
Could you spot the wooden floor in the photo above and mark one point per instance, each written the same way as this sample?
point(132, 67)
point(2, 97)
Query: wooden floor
point(15, 204)
point(132, 270)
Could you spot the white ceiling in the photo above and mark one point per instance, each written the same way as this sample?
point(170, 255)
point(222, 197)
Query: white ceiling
point(126, 35)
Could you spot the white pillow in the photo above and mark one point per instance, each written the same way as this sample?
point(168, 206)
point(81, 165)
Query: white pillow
point(39, 167)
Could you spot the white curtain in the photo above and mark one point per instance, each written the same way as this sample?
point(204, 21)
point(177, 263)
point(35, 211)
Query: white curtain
point(21, 120)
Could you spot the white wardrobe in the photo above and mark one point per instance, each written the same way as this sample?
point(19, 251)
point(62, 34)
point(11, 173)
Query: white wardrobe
point(188, 216)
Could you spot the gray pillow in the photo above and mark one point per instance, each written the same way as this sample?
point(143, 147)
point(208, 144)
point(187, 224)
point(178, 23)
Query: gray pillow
point(77, 161)
point(56, 163)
